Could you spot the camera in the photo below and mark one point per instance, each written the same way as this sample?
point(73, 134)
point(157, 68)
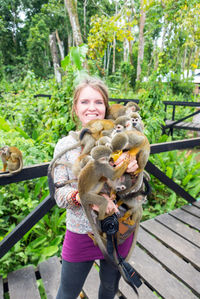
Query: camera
point(110, 225)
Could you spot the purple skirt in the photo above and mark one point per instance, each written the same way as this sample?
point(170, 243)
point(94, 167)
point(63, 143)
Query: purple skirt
point(80, 248)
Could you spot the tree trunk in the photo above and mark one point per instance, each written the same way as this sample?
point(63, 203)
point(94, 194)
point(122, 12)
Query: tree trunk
point(162, 45)
point(189, 62)
point(71, 6)
point(184, 60)
point(60, 45)
point(126, 49)
point(114, 46)
point(141, 41)
point(130, 46)
point(54, 54)
point(108, 58)
point(84, 18)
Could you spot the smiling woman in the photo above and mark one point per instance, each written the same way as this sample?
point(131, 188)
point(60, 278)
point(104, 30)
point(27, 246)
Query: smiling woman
point(79, 252)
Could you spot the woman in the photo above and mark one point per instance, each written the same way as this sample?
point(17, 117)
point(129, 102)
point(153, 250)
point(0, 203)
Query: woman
point(79, 252)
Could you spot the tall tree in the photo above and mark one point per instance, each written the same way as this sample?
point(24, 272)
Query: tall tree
point(141, 40)
point(71, 6)
point(54, 54)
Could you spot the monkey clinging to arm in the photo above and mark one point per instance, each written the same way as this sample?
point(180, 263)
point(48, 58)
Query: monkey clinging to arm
point(11, 157)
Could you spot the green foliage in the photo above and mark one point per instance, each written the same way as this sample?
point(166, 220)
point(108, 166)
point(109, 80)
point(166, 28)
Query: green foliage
point(38, 49)
point(181, 86)
point(103, 30)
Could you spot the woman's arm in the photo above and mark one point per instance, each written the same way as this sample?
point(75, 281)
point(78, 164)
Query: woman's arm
point(63, 195)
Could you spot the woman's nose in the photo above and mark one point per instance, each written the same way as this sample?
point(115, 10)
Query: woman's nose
point(91, 106)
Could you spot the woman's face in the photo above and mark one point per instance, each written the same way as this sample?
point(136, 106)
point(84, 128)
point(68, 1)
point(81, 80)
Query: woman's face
point(90, 105)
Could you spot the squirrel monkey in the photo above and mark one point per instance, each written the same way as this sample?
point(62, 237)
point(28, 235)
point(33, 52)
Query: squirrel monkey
point(117, 110)
point(131, 138)
point(11, 157)
point(135, 121)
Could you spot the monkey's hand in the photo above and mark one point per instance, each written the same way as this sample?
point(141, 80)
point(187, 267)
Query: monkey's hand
point(111, 206)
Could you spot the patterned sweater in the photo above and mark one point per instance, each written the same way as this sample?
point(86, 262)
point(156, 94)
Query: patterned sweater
point(76, 220)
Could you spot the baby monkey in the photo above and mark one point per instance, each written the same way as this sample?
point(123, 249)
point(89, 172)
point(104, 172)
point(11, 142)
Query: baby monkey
point(11, 157)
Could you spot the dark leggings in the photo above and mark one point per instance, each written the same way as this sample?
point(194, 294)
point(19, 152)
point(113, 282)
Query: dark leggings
point(73, 276)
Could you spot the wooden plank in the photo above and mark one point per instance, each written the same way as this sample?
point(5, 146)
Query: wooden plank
point(192, 210)
point(50, 271)
point(183, 125)
point(22, 284)
point(196, 203)
point(189, 251)
point(1, 288)
point(180, 228)
point(193, 221)
point(171, 261)
point(157, 277)
point(143, 291)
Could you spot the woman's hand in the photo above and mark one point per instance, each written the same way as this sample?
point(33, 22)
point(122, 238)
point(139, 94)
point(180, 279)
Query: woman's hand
point(133, 166)
point(111, 207)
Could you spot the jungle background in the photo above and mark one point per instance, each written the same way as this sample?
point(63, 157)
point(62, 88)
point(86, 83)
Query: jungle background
point(142, 49)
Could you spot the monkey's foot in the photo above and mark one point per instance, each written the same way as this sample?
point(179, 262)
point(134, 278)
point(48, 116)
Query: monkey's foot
point(93, 238)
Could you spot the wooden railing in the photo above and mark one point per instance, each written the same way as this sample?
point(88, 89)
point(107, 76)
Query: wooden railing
point(180, 123)
point(37, 171)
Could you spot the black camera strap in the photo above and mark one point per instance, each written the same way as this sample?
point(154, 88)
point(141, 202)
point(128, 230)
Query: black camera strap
point(110, 226)
point(131, 276)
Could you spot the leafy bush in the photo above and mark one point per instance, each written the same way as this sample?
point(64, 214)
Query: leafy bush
point(181, 86)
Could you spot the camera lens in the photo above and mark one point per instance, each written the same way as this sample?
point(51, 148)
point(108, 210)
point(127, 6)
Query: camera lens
point(110, 225)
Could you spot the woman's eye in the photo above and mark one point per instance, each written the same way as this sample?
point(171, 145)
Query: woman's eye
point(99, 102)
point(84, 102)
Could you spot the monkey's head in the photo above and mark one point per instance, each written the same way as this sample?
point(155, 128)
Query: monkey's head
point(135, 121)
point(120, 124)
point(101, 153)
point(132, 107)
point(4, 151)
point(123, 183)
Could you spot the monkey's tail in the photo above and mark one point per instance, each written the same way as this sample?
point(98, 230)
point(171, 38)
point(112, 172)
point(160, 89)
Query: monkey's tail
point(83, 132)
point(52, 166)
point(13, 172)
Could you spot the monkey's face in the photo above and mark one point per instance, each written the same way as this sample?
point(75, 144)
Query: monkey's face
point(4, 152)
point(118, 129)
point(123, 183)
point(103, 160)
point(134, 122)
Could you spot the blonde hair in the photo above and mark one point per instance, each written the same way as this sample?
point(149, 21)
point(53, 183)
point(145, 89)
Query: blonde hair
point(96, 84)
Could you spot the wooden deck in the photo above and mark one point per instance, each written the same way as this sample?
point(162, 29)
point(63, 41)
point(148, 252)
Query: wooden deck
point(193, 126)
point(167, 257)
